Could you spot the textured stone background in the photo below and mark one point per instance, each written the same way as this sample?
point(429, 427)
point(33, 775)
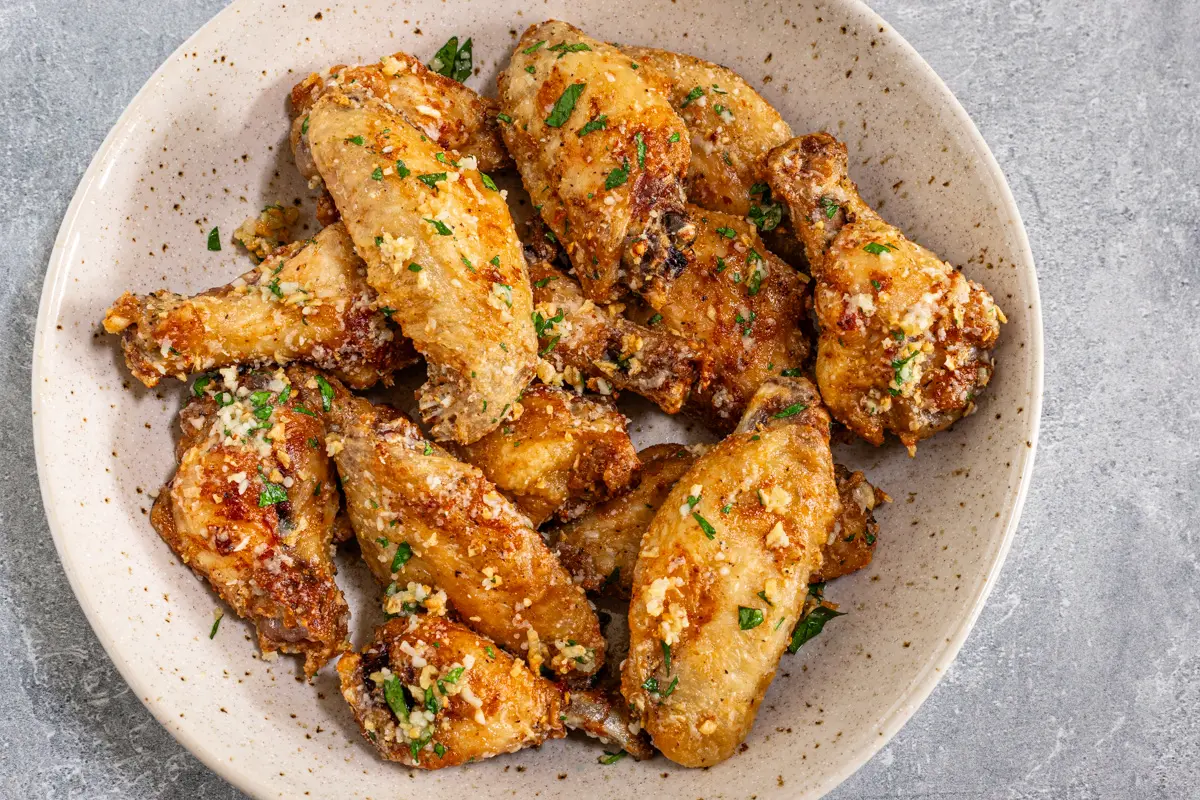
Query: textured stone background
point(1082, 679)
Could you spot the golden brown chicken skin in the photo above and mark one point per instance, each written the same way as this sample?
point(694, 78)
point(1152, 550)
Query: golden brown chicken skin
point(742, 307)
point(441, 251)
point(450, 114)
point(563, 453)
point(722, 575)
point(602, 154)
point(251, 508)
point(588, 344)
point(427, 522)
point(309, 301)
point(905, 338)
point(851, 543)
point(730, 126)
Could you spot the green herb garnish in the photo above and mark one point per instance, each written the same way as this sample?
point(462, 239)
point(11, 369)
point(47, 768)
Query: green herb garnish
point(749, 618)
point(565, 105)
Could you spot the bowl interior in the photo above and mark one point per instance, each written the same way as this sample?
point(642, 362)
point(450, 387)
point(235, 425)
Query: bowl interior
point(205, 144)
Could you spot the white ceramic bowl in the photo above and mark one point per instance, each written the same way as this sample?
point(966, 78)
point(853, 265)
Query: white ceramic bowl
point(204, 144)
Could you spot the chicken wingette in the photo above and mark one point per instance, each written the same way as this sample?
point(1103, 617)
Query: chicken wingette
point(585, 343)
point(602, 154)
point(905, 338)
point(600, 548)
point(722, 575)
point(562, 455)
point(427, 522)
point(251, 507)
point(742, 308)
point(309, 301)
point(430, 693)
point(441, 251)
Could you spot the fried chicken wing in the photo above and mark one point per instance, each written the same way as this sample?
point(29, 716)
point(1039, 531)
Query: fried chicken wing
point(251, 508)
point(722, 575)
point(580, 338)
point(742, 307)
point(600, 548)
point(906, 339)
point(602, 154)
point(423, 517)
point(308, 301)
point(731, 128)
point(562, 455)
point(441, 251)
point(453, 116)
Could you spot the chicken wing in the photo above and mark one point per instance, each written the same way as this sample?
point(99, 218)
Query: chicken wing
point(423, 517)
point(722, 572)
point(905, 342)
point(600, 548)
point(741, 305)
point(731, 129)
point(440, 250)
point(307, 302)
point(602, 154)
point(562, 454)
point(251, 508)
point(451, 115)
point(580, 338)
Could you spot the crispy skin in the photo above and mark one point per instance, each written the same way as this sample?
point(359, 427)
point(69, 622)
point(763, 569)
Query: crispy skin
point(324, 313)
point(600, 548)
point(742, 306)
point(562, 455)
point(597, 341)
point(728, 148)
point(465, 537)
point(461, 294)
point(271, 563)
point(494, 705)
point(616, 232)
point(453, 116)
point(905, 338)
point(700, 709)
point(851, 543)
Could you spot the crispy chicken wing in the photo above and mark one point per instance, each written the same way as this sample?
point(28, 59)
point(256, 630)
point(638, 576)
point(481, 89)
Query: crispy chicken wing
point(308, 301)
point(722, 573)
point(600, 548)
point(451, 115)
point(424, 518)
point(440, 250)
point(562, 455)
point(741, 305)
point(580, 338)
point(602, 154)
point(251, 508)
point(731, 128)
point(905, 343)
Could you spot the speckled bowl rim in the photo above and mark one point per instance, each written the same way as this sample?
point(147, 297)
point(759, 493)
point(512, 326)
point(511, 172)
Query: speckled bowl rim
point(893, 719)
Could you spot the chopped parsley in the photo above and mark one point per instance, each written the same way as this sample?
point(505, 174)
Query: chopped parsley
point(721, 265)
point(403, 554)
point(402, 170)
point(201, 382)
point(431, 179)
point(666, 649)
point(304, 127)
point(358, 140)
point(596, 123)
point(214, 240)
point(704, 524)
point(488, 182)
point(812, 624)
point(565, 105)
point(377, 174)
point(790, 411)
point(875, 248)
point(270, 494)
point(728, 233)
point(541, 283)
point(453, 61)
point(533, 48)
point(828, 206)
point(326, 393)
point(428, 449)
point(749, 618)
point(504, 118)
point(674, 137)
point(414, 267)
point(876, 284)
point(692, 95)
point(903, 368)
point(618, 176)
point(562, 48)
point(767, 217)
point(657, 318)
point(216, 624)
point(791, 372)
point(611, 758)
point(641, 149)
point(442, 228)
point(763, 596)
point(393, 693)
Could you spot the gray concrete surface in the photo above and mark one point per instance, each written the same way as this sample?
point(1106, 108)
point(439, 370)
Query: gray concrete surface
point(1082, 679)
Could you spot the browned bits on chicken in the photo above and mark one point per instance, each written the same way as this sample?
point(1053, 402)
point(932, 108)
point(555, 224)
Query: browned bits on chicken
point(429, 693)
point(600, 548)
point(602, 154)
point(560, 456)
point(586, 344)
point(851, 544)
point(269, 230)
point(449, 113)
point(308, 301)
point(438, 534)
point(741, 306)
point(730, 127)
point(905, 338)
point(251, 508)
point(722, 573)
point(441, 251)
